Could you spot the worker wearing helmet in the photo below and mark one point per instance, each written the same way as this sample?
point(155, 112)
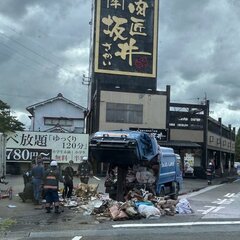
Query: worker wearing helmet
point(51, 184)
point(85, 170)
point(209, 172)
point(68, 180)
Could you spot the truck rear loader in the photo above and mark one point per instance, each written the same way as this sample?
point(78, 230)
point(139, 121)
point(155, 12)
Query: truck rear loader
point(136, 161)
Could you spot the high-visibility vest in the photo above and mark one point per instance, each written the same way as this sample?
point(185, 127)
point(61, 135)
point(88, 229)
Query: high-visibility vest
point(51, 180)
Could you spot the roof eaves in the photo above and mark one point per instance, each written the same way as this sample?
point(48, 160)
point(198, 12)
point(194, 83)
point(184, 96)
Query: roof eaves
point(32, 107)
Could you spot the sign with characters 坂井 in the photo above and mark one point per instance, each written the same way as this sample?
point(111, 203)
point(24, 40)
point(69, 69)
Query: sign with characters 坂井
point(126, 37)
point(63, 147)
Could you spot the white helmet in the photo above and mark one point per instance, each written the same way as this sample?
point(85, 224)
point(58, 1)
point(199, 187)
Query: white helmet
point(53, 163)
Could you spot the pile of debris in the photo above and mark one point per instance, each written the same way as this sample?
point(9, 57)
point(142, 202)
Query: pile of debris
point(138, 204)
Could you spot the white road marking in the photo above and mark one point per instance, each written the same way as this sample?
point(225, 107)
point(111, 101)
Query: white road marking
point(223, 201)
point(207, 210)
point(217, 209)
point(175, 224)
point(77, 238)
point(193, 194)
point(213, 209)
point(229, 195)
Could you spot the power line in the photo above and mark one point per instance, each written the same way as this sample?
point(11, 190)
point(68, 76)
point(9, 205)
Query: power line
point(21, 61)
point(35, 52)
point(27, 48)
point(33, 40)
point(26, 56)
point(17, 95)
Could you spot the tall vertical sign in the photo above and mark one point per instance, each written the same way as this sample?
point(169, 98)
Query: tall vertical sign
point(126, 37)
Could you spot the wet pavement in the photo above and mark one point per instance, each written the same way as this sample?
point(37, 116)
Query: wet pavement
point(27, 217)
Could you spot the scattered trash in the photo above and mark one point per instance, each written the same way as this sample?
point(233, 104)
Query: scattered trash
point(11, 206)
point(183, 207)
point(149, 211)
point(117, 213)
point(70, 204)
point(139, 203)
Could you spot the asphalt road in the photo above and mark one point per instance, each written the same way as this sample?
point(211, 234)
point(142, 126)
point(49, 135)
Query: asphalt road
point(216, 216)
point(217, 202)
point(210, 232)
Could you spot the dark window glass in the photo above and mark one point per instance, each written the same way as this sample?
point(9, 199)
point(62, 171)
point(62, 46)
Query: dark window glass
point(124, 113)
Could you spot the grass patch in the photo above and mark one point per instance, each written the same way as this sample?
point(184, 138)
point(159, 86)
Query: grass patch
point(5, 224)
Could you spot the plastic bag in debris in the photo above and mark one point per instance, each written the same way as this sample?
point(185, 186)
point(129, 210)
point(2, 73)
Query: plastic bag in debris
point(149, 211)
point(183, 207)
point(131, 176)
point(70, 203)
point(129, 208)
point(91, 206)
point(146, 203)
point(145, 177)
point(103, 196)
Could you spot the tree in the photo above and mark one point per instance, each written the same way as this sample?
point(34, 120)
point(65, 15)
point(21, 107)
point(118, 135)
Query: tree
point(8, 122)
point(237, 146)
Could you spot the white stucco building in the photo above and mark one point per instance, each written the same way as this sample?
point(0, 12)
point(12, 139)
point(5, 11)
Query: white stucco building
point(57, 114)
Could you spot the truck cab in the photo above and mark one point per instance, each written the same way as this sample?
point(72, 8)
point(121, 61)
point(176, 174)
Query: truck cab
point(170, 177)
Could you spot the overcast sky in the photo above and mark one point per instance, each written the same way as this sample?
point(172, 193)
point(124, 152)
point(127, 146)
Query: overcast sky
point(44, 50)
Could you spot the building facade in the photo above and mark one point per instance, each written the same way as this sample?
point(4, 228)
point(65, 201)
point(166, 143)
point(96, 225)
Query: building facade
point(124, 95)
point(187, 128)
point(199, 139)
point(57, 114)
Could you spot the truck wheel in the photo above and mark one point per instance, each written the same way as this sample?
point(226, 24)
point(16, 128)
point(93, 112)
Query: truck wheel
point(174, 191)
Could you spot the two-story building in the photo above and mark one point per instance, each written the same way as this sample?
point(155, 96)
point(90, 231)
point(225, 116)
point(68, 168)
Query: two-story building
point(57, 114)
point(187, 128)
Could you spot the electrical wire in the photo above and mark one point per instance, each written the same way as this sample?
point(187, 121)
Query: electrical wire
point(14, 50)
point(35, 52)
point(21, 61)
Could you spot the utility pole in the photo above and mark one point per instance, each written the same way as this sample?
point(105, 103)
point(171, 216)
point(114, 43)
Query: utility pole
point(87, 81)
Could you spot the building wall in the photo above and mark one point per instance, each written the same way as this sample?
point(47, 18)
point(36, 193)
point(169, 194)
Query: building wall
point(154, 109)
point(187, 135)
point(215, 141)
point(57, 109)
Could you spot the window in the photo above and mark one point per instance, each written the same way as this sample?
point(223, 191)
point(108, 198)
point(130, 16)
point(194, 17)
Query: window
point(211, 138)
point(58, 121)
point(124, 113)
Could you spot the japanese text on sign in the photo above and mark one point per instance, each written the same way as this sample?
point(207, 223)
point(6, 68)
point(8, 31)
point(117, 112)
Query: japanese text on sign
point(126, 37)
point(22, 146)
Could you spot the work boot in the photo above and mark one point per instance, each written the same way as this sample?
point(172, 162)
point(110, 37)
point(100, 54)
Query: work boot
point(57, 209)
point(48, 210)
point(21, 195)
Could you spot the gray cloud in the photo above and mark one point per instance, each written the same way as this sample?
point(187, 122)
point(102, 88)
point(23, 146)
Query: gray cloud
point(198, 53)
point(44, 49)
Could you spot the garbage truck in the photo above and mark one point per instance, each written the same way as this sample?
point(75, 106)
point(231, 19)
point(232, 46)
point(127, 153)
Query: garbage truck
point(136, 161)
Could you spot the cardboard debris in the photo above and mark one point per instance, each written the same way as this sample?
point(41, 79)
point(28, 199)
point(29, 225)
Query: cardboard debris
point(139, 204)
point(86, 190)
